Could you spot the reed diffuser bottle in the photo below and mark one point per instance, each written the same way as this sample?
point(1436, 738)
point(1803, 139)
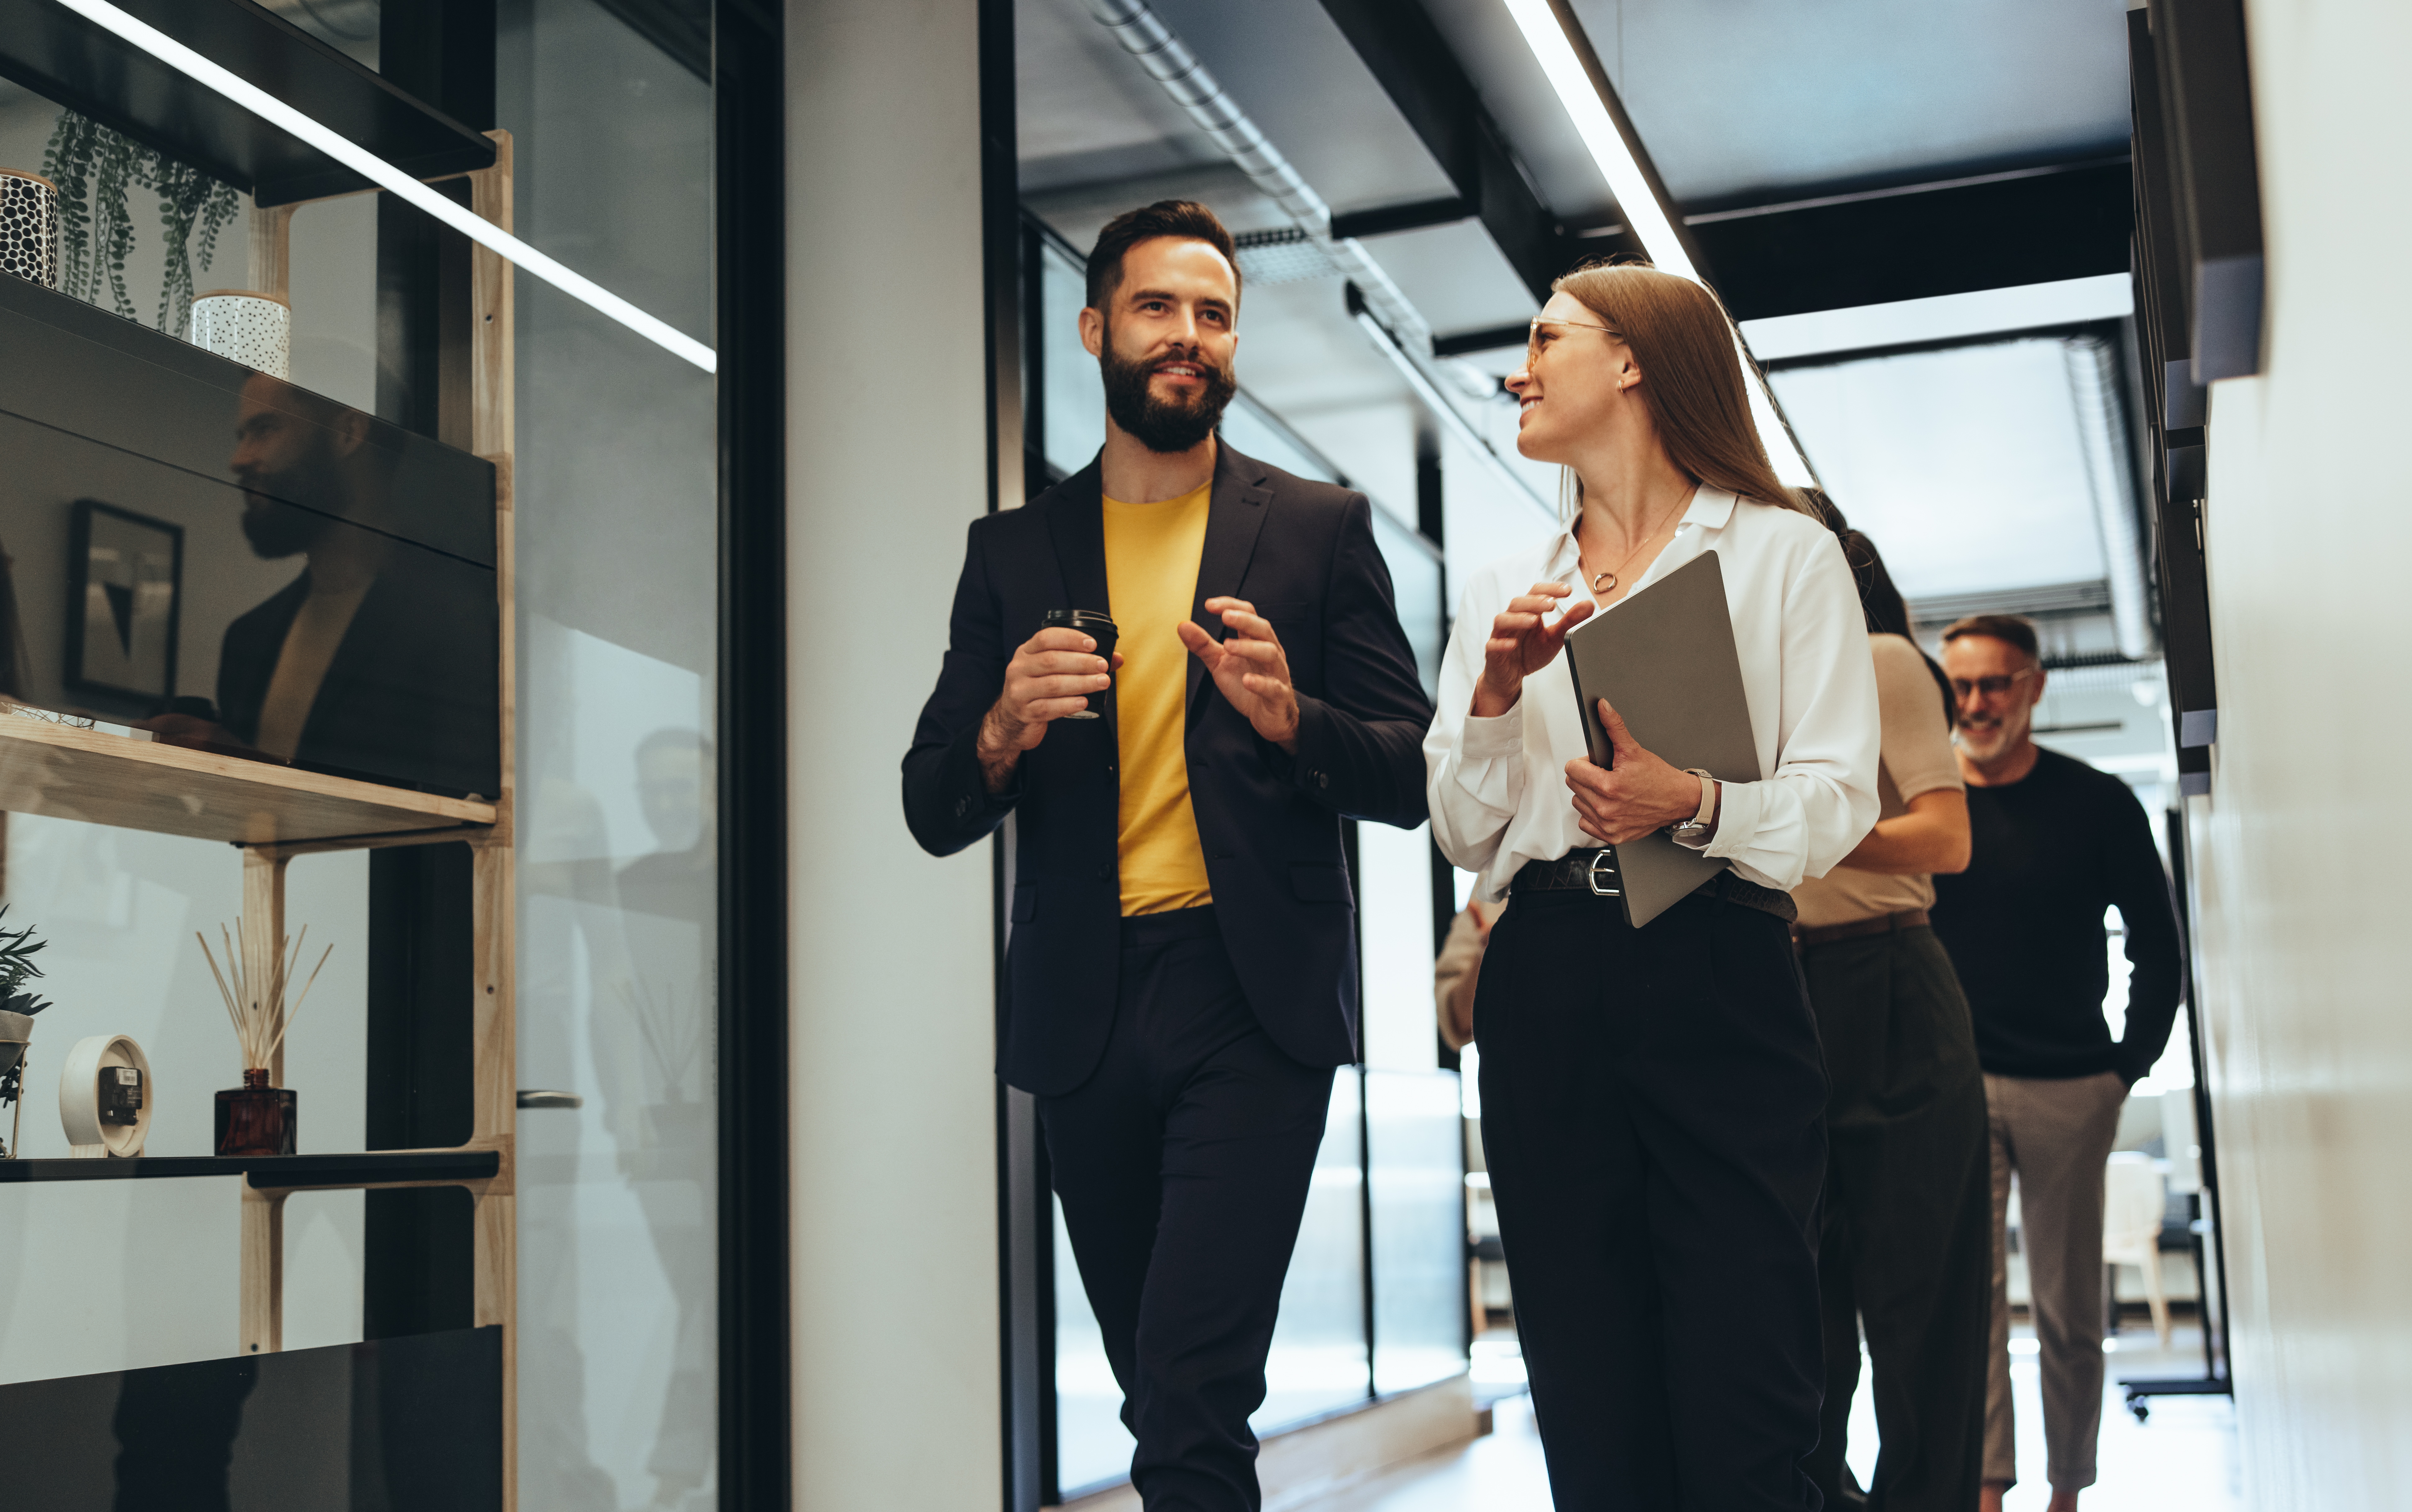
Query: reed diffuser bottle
point(257, 1119)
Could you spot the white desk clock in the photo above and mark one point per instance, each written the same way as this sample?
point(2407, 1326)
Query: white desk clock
point(104, 1097)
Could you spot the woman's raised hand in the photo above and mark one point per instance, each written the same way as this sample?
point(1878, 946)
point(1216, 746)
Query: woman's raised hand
point(1523, 640)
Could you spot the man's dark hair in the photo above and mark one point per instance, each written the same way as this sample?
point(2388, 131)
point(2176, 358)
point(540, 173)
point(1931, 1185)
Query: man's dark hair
point(2014, 629)
point(1184, 218)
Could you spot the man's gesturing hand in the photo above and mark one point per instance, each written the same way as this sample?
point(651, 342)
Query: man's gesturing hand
point(1523, 640)
point(1643, 793)
point(1249, 666)
point(1053, 675)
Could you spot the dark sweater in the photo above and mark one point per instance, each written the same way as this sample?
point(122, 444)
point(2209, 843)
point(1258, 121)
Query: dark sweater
point(2023, 924)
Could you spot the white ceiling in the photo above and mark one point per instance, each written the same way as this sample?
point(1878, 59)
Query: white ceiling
point(1966, 465)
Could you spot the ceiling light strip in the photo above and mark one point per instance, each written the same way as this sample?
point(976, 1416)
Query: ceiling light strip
point(1618, 160)
point(394, 181)
point(1647, 218)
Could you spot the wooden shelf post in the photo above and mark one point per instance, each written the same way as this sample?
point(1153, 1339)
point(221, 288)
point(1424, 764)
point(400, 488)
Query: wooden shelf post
point(494, 1031)
point(492, 417)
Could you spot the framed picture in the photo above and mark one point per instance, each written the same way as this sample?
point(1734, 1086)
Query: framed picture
point(125, 585)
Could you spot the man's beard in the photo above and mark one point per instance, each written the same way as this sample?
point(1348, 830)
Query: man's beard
point(276, 529)
point(274, 518)
point(1164, 425)
point(1985, 742)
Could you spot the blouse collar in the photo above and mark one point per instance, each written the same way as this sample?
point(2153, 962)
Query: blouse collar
point(1712, 508)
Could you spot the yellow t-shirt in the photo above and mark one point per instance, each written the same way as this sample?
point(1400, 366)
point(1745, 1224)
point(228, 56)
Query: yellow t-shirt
point(1152, 552)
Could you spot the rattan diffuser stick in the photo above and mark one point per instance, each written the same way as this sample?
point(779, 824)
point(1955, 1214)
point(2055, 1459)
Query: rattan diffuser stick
point(255, 1001)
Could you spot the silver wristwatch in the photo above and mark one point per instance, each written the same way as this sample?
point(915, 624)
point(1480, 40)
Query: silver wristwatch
point(1694, 831)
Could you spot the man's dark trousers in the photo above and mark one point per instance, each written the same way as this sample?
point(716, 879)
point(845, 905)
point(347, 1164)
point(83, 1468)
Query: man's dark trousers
point(1907, 1249)
point(1183, 1163)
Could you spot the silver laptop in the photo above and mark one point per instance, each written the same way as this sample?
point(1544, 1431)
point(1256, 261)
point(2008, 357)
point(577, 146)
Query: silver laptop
point(1665, 658)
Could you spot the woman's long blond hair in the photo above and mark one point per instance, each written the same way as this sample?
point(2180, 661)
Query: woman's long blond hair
point(1691, 376)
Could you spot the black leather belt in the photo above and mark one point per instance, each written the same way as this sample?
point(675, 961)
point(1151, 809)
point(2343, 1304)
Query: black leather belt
point(1595, 872)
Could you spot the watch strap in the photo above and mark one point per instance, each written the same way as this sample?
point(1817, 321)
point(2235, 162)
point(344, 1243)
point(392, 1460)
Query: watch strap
point(1708, 797)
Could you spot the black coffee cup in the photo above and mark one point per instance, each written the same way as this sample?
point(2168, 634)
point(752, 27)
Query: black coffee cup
point(1099, 625)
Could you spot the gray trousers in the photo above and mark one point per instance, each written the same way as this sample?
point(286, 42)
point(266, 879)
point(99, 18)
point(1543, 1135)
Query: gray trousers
point(2056, 1136)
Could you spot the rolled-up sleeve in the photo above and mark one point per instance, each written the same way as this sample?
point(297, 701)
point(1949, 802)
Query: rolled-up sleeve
point(1820, 800)
point(1474, 768)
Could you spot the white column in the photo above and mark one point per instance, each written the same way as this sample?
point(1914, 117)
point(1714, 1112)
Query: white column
point(897, 1403)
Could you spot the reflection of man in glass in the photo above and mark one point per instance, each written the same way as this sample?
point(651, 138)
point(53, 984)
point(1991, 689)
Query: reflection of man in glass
point(652, 1060)
point(380, 657)
point(675, 789)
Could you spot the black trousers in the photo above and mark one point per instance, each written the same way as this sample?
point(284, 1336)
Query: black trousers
point(1183, 1163)
point(1907, 1251)
point(1652, 1105)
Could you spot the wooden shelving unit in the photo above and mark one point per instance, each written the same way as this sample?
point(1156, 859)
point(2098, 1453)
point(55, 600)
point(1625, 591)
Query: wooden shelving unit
point(70, 772)
point(274, 813)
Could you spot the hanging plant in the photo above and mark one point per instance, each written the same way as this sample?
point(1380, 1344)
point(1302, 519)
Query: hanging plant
point(94, 168)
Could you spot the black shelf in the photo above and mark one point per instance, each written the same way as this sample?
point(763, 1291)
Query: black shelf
point(271, 1171)
point(56, 53)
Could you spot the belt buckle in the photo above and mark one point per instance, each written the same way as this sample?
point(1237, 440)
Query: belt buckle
point(1591, 875)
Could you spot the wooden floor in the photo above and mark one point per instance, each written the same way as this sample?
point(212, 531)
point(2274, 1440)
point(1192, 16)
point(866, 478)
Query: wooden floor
point(2182, 1461)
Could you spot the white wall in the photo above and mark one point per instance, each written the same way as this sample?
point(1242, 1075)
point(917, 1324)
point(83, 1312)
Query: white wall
point(898, 1400)
point(2301, 844)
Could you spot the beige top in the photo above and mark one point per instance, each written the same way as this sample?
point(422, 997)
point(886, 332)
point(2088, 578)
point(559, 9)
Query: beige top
point(1916, 760)
point(1460, 966)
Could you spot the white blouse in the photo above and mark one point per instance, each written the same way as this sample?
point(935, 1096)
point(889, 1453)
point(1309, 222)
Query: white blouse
point(1498, 788)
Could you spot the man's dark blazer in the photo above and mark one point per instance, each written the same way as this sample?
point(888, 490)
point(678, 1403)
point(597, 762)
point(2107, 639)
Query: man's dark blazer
point(1302, 552)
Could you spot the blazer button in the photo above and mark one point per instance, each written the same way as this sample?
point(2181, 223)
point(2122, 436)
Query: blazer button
point(963, 806)
point(1322, 778)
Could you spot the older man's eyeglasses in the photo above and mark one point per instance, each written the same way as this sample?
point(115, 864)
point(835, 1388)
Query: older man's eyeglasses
point(1992, 687)
point(1543, 330)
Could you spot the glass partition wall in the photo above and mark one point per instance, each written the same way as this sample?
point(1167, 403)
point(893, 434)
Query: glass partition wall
point(617, 542)
point(1374, 1302)
point(143, 559)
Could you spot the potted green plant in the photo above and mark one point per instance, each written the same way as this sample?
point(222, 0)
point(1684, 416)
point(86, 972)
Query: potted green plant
point(18, 1006)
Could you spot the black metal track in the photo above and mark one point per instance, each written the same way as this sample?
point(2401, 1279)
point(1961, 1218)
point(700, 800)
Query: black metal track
point(1874, 249)
point(756, 1422)
point(2164, 258)
point(1405, 52)
point(60, 55)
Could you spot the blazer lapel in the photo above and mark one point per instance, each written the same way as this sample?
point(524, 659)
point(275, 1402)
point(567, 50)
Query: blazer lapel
point(1234, 515)
point(1076, 519)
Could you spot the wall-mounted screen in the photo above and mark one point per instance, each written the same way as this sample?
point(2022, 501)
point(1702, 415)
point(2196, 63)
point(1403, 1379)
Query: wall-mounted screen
point(237, 563)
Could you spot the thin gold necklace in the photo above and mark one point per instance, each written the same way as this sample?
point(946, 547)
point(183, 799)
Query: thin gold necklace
point(1606, 580)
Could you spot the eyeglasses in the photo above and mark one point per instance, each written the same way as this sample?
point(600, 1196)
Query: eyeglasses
point(1992, 687)
point(1533, 335)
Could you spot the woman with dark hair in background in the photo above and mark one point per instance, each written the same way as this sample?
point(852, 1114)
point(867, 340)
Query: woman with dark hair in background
point(1652, 1097)
point(1907, 1247)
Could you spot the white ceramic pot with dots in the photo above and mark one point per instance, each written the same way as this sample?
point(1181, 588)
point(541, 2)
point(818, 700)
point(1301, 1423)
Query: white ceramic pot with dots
point(29, 226)
point(255, 329)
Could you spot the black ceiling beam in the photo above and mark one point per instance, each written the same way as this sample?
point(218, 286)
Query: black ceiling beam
point(1413, 217)
point(1406, 55)
point(1489, 339)
point(1953, 238)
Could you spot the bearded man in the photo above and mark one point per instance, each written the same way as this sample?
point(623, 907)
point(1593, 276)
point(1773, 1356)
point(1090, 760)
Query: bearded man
point(2053, 845)
point(1180, 974)
point(377, 659)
